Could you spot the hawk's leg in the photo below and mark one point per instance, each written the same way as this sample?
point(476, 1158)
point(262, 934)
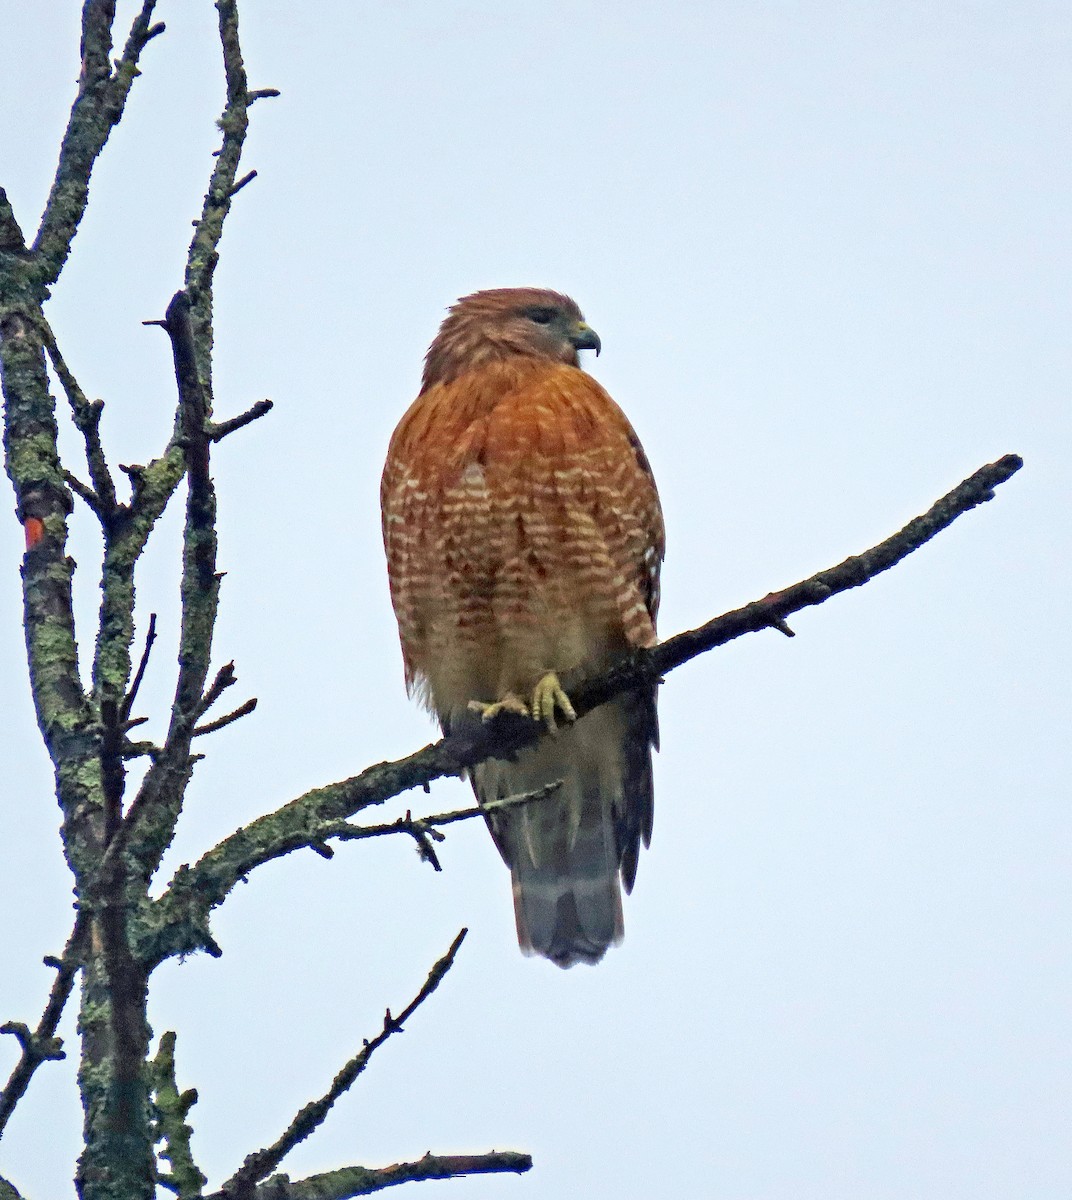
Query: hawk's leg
point(509, 703)
point(546, 698)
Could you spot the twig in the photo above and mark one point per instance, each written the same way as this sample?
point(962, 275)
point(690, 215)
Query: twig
point(493, 806)
point(242, 710)
point(42, 1045)
point(217, 432)
point(133, 750)
point(249, 176)
point(139, 675)
point(87, 417)
point(86, 493)
point(348, 1182)
point(181, 915)
point(422, 829)
point(262, 1163)
point(225, 678)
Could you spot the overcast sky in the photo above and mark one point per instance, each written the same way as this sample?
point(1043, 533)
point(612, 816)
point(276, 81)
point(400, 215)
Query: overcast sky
point(827, 248)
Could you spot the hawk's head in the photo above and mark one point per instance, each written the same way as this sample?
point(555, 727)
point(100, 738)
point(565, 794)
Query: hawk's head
point(502, 322)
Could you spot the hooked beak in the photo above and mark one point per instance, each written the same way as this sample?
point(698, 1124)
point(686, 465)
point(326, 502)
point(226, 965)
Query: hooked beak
point(584, 337)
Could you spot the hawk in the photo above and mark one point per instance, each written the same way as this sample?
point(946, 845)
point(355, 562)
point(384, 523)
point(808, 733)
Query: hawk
point(524, 539)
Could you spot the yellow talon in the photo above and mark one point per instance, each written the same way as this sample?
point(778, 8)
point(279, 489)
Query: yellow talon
point(547, 696)
point(509, 703)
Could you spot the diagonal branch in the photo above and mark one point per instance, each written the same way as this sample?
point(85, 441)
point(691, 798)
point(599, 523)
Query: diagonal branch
point(348, 1182)
point(260, 1165)
point(97, 109)
point(425, 830)
point(218, 431)
point(87, 418)
point(139, 675)
point(179, 922)
point(42, 1045)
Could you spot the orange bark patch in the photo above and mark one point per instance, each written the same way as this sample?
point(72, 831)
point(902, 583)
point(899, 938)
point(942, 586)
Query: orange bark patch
point(35, 531)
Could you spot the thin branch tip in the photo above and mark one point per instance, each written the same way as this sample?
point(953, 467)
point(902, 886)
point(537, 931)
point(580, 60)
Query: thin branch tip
point(259, 1165)
point(239, 184)
point(216, 432)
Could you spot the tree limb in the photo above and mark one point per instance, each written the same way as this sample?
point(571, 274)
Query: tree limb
point(202, 258)
point(148, 826)
point(87, 418)
point(348, 1182)
point(258, 1166)
point(42, 1045)
point(424, 830)
point(97, 109)
point(180, 917)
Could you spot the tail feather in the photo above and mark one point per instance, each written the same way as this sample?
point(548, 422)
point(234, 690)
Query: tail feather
point(567, 901)
point(569, 852)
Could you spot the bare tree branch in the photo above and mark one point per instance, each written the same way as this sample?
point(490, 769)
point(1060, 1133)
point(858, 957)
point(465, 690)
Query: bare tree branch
point(425, 830)
point(139, 675)
point(87, 418)
point(42, 1045)
point(97, 109)
point(243, 710)
point(203, 255)
point(217, 432)
point(259, 1166)
point(348, 1182)
point(149, 825)
point(181, 915)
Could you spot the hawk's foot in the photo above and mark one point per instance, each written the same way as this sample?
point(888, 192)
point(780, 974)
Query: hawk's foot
point(546, 698)
point(509, 703)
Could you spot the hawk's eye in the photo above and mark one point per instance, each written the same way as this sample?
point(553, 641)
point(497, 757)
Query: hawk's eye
point(542, 316)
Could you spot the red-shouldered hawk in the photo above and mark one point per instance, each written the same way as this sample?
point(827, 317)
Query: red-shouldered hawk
point(524, 539)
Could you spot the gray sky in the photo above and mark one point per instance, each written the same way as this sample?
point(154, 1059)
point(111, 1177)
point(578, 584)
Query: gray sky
point(826, 247)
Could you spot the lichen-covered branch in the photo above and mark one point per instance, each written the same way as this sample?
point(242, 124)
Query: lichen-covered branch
point(98, 107)
point(11, 236)
point(260, 1165)
point(8, 1191)
point(180, 922)
point(43, 502)
point(203, 256)
point(348, 1182)
point(150, 823)
point(172, 1108)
